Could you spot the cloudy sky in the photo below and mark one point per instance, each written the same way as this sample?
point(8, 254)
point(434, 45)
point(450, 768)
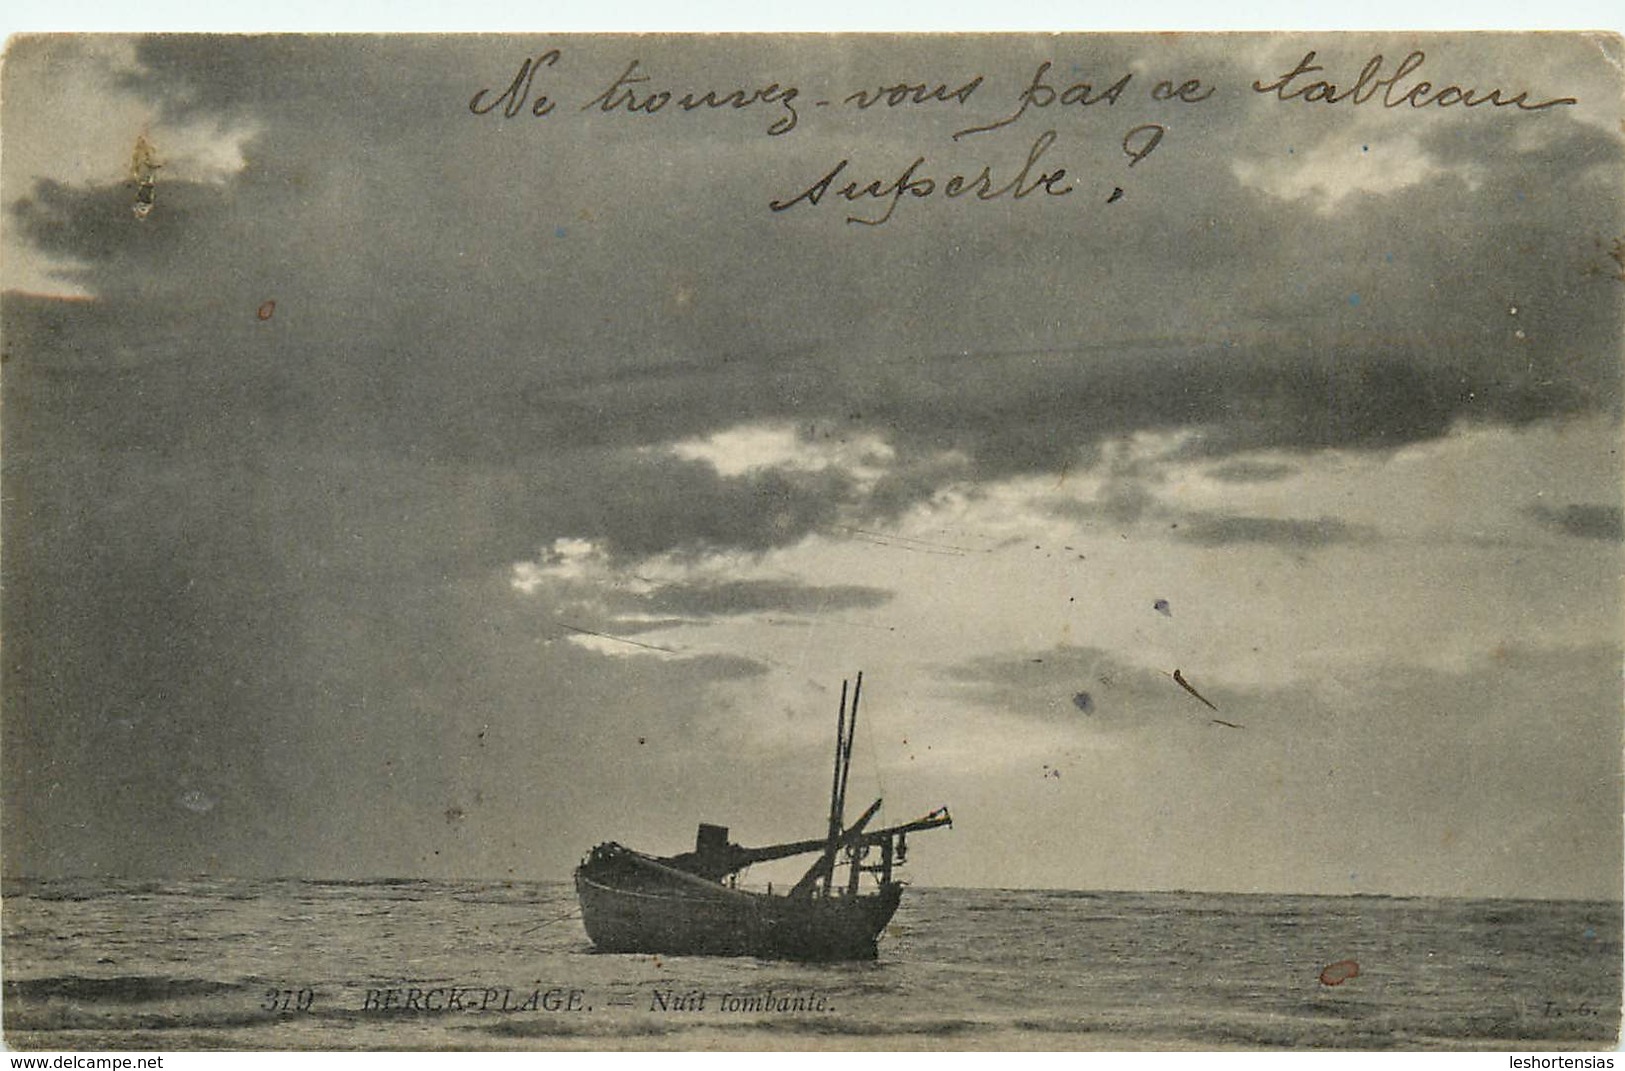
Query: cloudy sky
point(409, 491)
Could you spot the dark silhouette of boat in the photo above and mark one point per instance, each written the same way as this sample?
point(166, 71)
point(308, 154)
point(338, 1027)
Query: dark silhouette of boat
point(691, 903)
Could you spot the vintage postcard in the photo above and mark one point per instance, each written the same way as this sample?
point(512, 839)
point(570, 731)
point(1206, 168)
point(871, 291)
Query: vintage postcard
point(812, 541)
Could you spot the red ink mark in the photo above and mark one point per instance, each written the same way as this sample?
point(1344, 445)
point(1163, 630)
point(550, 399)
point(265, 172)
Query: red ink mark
point(266, 310)
point(1339, 972)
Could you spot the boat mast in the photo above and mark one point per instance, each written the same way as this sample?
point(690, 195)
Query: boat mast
point(851, 735)
point(855, 850)
point(837, 816)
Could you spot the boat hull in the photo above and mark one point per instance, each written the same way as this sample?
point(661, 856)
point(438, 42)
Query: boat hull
point(680, 919)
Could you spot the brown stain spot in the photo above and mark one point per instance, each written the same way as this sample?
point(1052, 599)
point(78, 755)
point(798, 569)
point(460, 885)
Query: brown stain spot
point(1614, 251)
point(144, 165)
point(1339, 972)
point(266, 310)
point(143, 158)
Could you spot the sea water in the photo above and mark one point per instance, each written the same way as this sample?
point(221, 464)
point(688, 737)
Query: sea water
point(294, 964)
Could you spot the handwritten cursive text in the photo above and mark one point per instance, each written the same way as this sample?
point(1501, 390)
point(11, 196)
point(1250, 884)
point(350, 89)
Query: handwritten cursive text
point(1372, 84)
point(623, 94)
point(912, 182)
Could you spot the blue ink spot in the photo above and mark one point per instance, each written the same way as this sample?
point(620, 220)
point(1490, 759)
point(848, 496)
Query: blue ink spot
point(1590, 934)
point(1289, 150)
point(1084, 702)
point(1365, 148)
point(559, 232)
point(1518, 195)
point(1388, 257)
point(1354, 299)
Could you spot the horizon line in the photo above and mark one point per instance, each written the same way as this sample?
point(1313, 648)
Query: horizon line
point(1617, 898)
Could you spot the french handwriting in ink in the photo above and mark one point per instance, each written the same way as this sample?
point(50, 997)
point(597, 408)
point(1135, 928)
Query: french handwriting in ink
point(1393, 90)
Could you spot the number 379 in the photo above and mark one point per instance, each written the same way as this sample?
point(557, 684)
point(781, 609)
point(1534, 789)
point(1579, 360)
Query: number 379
point(289, 999)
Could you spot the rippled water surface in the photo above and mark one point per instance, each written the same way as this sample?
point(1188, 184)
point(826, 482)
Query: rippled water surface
point(244, 964)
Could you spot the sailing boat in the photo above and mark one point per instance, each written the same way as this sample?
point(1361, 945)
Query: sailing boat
point(690, 903)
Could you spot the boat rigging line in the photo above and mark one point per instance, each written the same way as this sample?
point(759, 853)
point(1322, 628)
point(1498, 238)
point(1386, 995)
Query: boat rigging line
point(573, 913)
point(617, 639)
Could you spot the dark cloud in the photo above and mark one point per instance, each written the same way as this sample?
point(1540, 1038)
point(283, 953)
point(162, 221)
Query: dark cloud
point(1403, 333)
point(660, 504)
point(1128, 502)
point(723, 598)
point(1063, 684)
point(338, 447)
point(96, 227)
point(1122, 501)
point(1243, 470)
point(1583, 521)
point(1221, 530)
